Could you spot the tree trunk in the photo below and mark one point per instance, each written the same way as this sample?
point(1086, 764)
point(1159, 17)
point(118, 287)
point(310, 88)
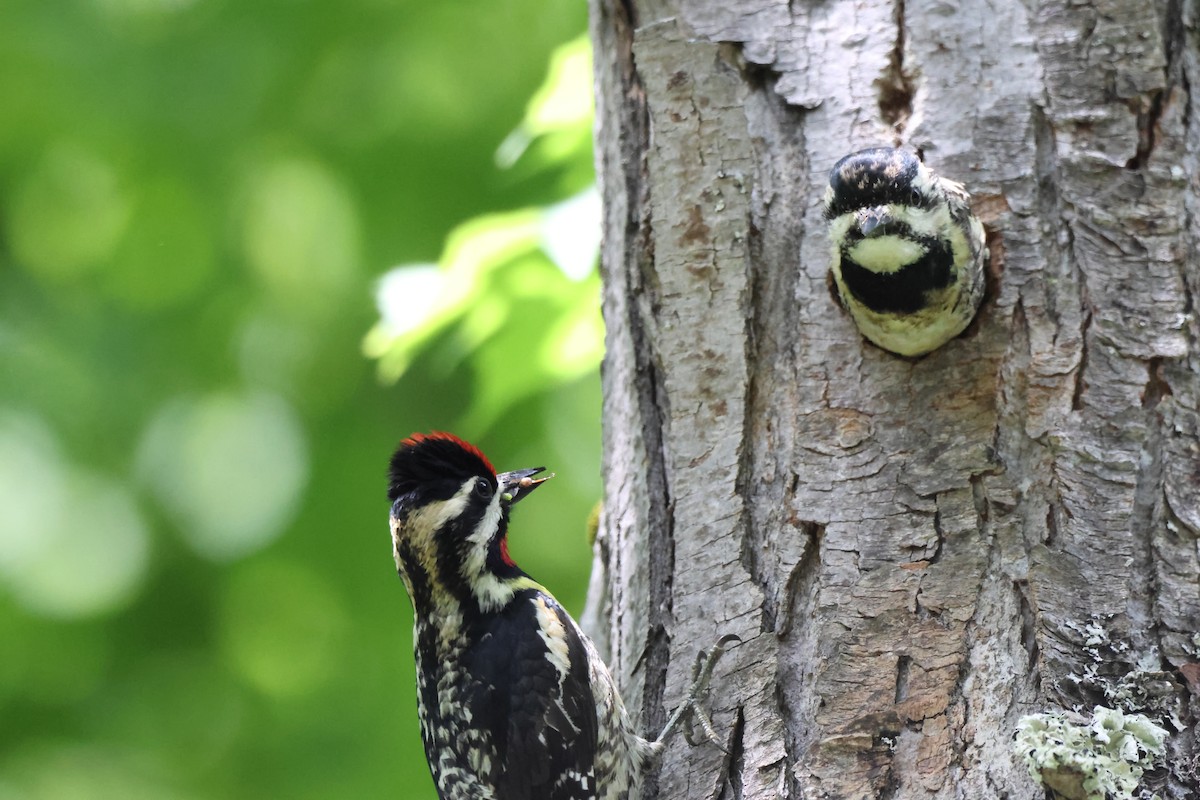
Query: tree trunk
point(915, 552)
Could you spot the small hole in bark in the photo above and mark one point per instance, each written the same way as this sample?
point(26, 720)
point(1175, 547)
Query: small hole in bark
point(1148, 119)
point(903, 664)
point(1156, 384)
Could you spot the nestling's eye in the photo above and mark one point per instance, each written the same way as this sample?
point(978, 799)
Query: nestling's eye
point(483, 489)
point(914, 197)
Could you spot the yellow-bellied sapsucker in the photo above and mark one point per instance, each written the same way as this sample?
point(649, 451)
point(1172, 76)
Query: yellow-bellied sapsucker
point(908, 254)
point(513, 699)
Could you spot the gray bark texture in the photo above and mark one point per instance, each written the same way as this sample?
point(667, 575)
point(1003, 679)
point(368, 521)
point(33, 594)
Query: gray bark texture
point(914, 552)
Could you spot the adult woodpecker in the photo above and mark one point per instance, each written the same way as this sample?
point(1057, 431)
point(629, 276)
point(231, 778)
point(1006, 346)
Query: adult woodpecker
point(513, 699)
point(908, 254)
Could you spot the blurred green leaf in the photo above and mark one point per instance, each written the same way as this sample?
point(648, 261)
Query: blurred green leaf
point(196, 595)
point(68, 213)
point(515, 293)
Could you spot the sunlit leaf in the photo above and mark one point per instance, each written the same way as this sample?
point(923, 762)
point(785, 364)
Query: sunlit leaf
point(416, 303)
point(520, 328)
point(562, 107)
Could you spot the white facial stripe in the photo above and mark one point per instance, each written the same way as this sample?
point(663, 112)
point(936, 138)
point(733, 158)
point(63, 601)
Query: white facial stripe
point(490, 592)
point(491, 518)
point(419, 528)
point(475, 560)
point(433, 516)
point(423, 522)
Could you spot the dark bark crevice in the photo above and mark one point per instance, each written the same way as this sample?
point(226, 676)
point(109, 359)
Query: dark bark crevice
point(735, 761)
point(1029, 626)
point(652, 403)
point(1157, 386)
point(1081, 371)
point(632, 128)
point(1146, 518)
point(896, 85)
point(801, 581)
point(1148, 117)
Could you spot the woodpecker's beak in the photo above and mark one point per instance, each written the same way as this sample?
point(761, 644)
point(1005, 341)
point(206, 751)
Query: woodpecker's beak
point(519, 483)
point(872, 221)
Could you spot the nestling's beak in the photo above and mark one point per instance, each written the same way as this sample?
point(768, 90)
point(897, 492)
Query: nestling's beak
point(872, 221)
point(519, 483)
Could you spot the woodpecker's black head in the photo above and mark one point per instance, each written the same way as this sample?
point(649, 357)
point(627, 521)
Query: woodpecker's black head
point(449, 521)
point(434, 466)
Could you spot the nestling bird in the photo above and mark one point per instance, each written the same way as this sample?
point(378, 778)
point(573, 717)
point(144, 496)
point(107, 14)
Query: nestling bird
point(513, 699)
point(908, 254)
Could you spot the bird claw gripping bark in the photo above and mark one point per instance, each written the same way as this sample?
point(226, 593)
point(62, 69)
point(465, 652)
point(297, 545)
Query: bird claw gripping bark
point(690, 713)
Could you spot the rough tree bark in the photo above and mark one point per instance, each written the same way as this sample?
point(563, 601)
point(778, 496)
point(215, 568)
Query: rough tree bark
point(915, 552)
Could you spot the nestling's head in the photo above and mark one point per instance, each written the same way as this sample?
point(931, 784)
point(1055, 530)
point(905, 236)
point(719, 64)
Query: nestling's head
point(885, 208)
point(877, 177)
point(907, 253)
point(449, 521)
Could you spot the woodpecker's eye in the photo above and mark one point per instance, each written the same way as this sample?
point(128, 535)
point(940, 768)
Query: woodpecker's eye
point(483, 489)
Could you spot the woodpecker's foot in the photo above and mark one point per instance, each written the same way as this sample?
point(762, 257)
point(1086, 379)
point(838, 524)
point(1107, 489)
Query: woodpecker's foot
point(690, 713)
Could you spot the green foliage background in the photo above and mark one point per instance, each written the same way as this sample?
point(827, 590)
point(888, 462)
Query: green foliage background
point(202, 373)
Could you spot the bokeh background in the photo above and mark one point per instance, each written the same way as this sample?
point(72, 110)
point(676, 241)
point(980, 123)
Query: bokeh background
point(245, 247)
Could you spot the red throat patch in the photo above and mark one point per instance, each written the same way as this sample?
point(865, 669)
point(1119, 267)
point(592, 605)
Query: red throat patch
point(504, 556)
